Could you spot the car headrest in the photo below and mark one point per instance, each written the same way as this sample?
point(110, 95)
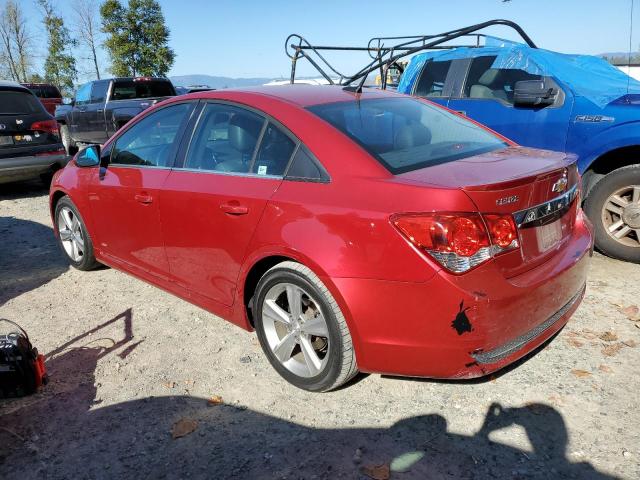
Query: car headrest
point(488, 77)
point(243, 133)
point(412, 135)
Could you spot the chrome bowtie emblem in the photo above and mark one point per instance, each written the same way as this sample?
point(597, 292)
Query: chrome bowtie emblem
point(561, 185)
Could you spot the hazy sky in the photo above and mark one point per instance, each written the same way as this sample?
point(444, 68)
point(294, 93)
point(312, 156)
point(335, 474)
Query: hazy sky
point(246, 38)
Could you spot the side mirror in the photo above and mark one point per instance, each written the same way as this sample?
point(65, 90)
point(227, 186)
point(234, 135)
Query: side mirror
point(67, 101)
point(89, 157)
point(534, 93)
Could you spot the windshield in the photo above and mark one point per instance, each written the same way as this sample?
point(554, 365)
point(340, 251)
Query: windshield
point(13, 102)
point(131, 89)
point(406, 134)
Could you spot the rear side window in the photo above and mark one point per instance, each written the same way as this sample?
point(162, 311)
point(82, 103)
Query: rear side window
point(275, 152)
point(406, 134)
point(149, 142)
point(304, 167)
point(225, 139)
point(131, 89)
point(13, 102)
point(432, 79)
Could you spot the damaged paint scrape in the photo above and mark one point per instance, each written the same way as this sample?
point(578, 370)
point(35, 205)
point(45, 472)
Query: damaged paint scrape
point(461, 323)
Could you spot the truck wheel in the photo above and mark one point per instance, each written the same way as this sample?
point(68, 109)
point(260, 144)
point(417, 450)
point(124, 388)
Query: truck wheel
point(69, 145)
point(613, 205)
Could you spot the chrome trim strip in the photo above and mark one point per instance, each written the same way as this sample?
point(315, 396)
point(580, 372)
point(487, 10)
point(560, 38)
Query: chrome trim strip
point(546, 209)
point(514, 345)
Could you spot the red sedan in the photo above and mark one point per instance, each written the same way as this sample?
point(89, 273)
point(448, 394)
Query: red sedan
point(353, 231)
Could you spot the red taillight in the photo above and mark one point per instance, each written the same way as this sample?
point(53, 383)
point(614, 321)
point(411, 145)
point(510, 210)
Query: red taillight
point(459, 241)
point(46, 126)
point(502, 230)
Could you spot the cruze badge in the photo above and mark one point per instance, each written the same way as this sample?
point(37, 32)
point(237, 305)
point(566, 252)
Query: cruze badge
point(507, 200)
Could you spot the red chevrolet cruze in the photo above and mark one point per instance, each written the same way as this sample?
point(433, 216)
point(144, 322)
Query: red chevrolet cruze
point(353, 231)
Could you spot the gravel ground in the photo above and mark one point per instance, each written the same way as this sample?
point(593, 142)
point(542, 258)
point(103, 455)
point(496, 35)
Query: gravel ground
point(130, 365)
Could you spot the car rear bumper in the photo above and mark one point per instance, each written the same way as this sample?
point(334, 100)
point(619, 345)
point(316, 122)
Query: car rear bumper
point(469, 325)
point(19, 168)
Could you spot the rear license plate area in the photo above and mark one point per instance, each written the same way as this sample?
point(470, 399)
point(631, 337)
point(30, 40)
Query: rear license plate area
point(548, 236)
point(6, 140)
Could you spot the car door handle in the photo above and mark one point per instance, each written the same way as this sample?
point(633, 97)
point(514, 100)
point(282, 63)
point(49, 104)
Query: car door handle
point(234, 208)
point(146, 199)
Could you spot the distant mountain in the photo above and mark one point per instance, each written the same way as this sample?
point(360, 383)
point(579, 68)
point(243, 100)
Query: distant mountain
point(218, 82)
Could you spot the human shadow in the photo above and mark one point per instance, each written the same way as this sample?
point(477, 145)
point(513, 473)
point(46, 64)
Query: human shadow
point(29, 257)
point(67, 431)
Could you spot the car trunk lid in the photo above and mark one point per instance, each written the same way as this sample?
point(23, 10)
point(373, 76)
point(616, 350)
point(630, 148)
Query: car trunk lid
point(536, 187)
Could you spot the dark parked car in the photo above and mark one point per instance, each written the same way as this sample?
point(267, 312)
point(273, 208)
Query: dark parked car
point(101, 107)
point(48, 94)
point(30, 144)
point(354, 231)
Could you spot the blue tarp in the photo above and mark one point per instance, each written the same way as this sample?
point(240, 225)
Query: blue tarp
point(587, 76)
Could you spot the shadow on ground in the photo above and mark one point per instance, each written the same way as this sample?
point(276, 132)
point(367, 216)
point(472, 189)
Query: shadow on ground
point(26, 189)
point(29, 257)
point(64, 432)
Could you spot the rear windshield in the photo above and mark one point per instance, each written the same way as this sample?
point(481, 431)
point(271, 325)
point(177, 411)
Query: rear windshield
point(13, 102)
point(406, 134)
point(45, 91)
point(130, 89)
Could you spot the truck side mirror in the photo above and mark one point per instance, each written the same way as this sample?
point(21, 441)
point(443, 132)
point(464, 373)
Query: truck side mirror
point(533, 93)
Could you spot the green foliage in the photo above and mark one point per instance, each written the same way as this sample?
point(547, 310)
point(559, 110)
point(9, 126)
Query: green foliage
point(60, 64)
point(137, 38)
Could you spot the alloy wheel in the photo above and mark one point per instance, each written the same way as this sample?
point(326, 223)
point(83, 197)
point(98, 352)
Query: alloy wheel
point(70, 231)
point(621, 215)
point(295, 329)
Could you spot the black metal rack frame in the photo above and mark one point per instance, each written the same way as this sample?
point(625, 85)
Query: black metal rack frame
point(383, 56)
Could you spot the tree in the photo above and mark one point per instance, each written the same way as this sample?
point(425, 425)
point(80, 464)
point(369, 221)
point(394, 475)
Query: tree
point(137, 38)
point(88, 29)
point(16, 43)
point(60, 64)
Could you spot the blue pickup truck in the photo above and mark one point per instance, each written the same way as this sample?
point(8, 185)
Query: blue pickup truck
point(572, 103)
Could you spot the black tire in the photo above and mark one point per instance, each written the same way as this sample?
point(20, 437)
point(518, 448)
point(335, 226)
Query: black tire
point(88, 260)
point(594, 205)
point(341, 364)
point(68, 142)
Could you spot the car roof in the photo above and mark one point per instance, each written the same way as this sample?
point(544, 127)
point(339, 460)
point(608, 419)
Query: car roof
point(302, 95)
point(9, 83)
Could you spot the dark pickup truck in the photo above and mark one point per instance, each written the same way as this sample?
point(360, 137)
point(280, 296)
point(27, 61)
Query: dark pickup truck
point(101, 107)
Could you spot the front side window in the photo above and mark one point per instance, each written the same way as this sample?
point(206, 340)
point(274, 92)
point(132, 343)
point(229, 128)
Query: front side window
point(225, 139)
point(486, 82)
point(99, 91)
point(149, 142)
point(83, 94)
point(406, 134)
point(432, 79)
